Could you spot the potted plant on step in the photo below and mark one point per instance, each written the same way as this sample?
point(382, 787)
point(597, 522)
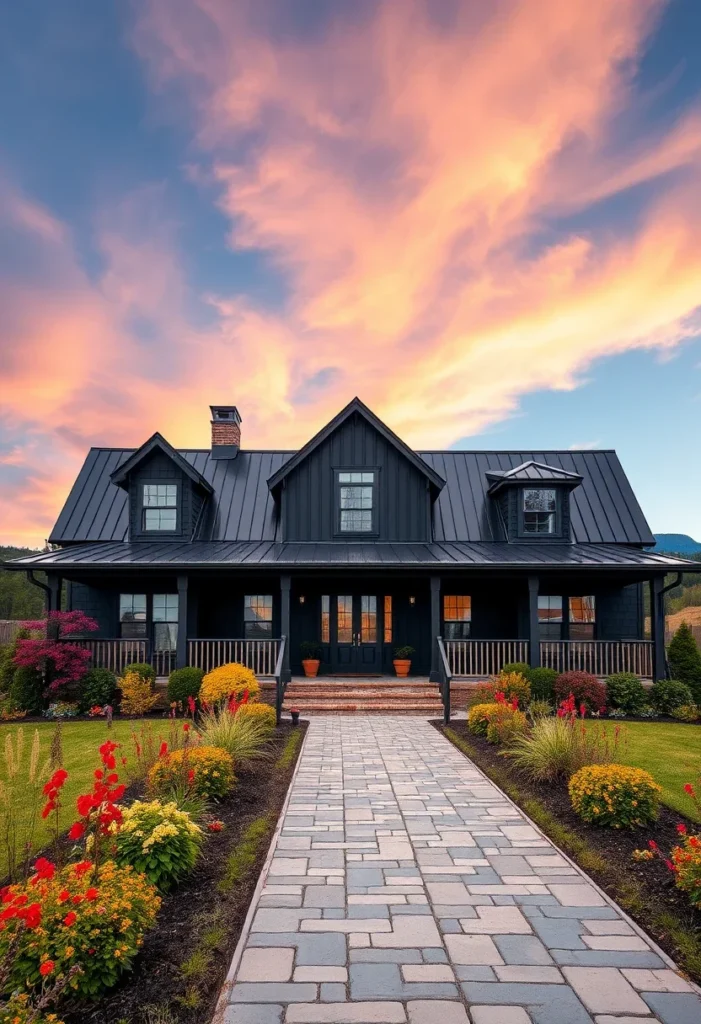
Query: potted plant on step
point(311, 652)
point(402, 660)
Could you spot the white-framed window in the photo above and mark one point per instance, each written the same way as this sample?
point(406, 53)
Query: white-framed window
point(356, 502)
point(539, 510)
point(160, 507)
point(132, 616)
point(258, 616)
point(457, 616)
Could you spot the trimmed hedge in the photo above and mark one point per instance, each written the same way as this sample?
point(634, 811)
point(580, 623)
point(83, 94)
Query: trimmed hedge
point(184, 683)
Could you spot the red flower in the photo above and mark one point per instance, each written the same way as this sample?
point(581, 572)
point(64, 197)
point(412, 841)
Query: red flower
point(186, 726)
point(91, 894)
point(652, 844)
point(215, 826)
point(85, 804)
point(32, 916)
point(681, 829)
point(48, 808)
point(191, 776)
point(670, 865)
point(99, 774)
point(107, 754)
point(688, 788)
point(118, 792)
point(77, 899)
point(70, 919)
point(112, 778)
point(64, 896)
point(82, 867)
point(45, 871)
point(77, 830)
point(164, 749)
point(47, 968)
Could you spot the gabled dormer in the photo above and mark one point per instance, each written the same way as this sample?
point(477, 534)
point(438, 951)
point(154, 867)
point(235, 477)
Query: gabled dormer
point(532, 501)
point(356, 481)
point(166, 494)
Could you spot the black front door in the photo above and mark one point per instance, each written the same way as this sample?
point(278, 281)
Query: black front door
point(355, 634)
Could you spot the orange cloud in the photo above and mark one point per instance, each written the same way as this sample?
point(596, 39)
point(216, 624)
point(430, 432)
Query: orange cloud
point(406, 168)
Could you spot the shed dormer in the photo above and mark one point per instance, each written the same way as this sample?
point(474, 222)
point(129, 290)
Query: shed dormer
point(166, 495)
point(533, 501)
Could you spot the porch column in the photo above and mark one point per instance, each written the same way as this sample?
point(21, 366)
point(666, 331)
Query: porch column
point(657, 624)
point(181, 649)
point(533, 628)
point(434, 677)
point(53, 598)
point(285, 584)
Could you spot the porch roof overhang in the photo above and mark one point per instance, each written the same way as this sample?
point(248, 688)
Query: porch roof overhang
point(437, 555)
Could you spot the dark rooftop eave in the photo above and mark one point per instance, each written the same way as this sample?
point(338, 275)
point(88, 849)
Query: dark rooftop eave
point(158, 443)
point(356, 406)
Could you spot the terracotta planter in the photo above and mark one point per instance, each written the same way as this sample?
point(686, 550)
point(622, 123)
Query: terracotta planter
point(402, 666)
point(311, 667)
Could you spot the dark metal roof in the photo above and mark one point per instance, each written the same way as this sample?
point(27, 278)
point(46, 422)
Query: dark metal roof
point(356, 407)
point(269, 553)
point(604, 509)
point(532, 472)
point(158, 443)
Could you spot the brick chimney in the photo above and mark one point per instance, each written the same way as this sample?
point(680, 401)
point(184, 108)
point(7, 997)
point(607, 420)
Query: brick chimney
point(226, 431)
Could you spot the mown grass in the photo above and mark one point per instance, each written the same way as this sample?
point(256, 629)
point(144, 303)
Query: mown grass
point(619, 883)
point(80, 742)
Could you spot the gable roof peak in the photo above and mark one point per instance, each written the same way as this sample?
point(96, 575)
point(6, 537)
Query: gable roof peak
point(532, 472)
point(156, 443)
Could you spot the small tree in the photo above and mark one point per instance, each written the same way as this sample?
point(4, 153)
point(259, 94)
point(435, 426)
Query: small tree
point(685, 660)
point(47, 650)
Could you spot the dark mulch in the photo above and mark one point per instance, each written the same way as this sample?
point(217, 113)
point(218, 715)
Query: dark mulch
point(645, 889)
point(157, 979)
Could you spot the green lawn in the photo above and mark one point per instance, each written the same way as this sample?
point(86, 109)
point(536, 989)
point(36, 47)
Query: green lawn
point(80, 758)
point(672, 755)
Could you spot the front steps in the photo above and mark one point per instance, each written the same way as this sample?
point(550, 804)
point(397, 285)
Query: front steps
point(366, 696)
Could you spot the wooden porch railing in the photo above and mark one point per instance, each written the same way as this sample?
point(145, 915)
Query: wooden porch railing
point(599, 657)
point(114, 654)
point(482, 658)
point(259, 655)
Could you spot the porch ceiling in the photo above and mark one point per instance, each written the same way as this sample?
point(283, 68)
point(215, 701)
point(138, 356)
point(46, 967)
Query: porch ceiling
point(439, 555)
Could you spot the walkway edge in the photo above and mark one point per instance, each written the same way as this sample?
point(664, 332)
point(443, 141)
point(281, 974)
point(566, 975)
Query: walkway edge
point(604, 895)
point(223, 1000)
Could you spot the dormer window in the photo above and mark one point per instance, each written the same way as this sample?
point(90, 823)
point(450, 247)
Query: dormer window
point(539, 510)
point(160, 507)
point(356, 502)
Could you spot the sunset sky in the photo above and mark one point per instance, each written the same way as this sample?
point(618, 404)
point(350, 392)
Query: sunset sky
point(484, 219)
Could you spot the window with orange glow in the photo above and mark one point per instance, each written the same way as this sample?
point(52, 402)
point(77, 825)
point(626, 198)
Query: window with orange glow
point(388, 619)
point(457, 616)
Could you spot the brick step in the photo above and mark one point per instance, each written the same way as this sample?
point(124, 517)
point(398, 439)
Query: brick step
point(352, 681)
point(366, 708)
point(431, 694)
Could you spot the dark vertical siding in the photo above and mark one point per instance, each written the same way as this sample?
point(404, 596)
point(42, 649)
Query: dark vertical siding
point(402, 495)
point(101, 605)
point(159, 469)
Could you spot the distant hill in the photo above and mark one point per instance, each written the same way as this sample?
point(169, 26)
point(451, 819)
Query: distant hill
point(677, 544)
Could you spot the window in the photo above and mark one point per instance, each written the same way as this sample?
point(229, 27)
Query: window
point(539, 510)
point(582, 618)
point(550, 616)
point(344, 619)
point(258, 616)
point(457, 616)
point(325, 619)
point(388, 619)
point(165, 622)
point(132, 615)
point(368, 620)
point(356, 501)
point(160, 507)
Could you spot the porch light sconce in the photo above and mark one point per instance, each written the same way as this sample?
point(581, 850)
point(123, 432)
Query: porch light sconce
point(412, 601)
point(301, 598)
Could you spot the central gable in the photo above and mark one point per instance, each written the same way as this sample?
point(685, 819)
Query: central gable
point(356, 481)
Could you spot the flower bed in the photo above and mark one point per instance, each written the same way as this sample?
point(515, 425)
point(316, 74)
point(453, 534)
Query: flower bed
point(646, 890)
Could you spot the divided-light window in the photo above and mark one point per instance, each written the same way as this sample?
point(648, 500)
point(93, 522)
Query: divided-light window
point(457, 616)
point(132, 616)
point(258, 616)
point(356, 502)
point(160, 507)
point(539, 510)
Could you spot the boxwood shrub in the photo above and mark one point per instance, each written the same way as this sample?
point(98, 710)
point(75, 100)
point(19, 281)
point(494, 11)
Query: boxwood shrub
point(625, 691)
point(184, 683)
point(668, 694)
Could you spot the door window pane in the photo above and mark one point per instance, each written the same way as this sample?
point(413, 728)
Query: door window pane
point(539, 508)
point(344, 619)
point(582, 618)
point(550, 616)
point(356, 501)
point(132, 615)
point(457, 616)
point(325, 619)
point(368, 620)
point(258, 616)
point(388, 619)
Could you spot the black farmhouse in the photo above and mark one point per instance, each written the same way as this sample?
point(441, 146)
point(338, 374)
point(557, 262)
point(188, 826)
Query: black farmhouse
point(474, 558)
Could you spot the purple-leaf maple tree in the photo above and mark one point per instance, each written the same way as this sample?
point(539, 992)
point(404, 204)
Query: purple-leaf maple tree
point(50, 653)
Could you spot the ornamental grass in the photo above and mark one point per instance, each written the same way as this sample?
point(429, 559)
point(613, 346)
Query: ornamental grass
point(614, 795)
point(556, 748)
point(244, 736)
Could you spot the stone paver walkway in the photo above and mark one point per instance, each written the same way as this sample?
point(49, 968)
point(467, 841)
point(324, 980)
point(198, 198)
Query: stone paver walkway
point(405, 887)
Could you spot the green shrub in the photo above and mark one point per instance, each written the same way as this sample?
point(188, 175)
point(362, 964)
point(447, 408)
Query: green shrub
point(556, 748)
point(143, 669)
point(479, 717)
point(685, 660)
point(625, 691)
point(514, 685)
point(97, 687)
point(521, 667)
point(184, 683)
point(614, 795)
point(686, 713)
point(668, 694)
point(207, 771)
point(7, 660)
point(540, 709)
point(158, 840)
point(26, 690)
point(586, 689)
point(542, 682)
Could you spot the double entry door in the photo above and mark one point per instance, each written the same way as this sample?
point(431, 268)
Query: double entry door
point(355, 636)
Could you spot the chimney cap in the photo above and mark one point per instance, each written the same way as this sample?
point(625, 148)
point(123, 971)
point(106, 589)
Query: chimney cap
point(225, 414)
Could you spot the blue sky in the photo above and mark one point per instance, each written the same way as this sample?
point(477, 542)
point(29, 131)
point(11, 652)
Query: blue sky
point(483, 220)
